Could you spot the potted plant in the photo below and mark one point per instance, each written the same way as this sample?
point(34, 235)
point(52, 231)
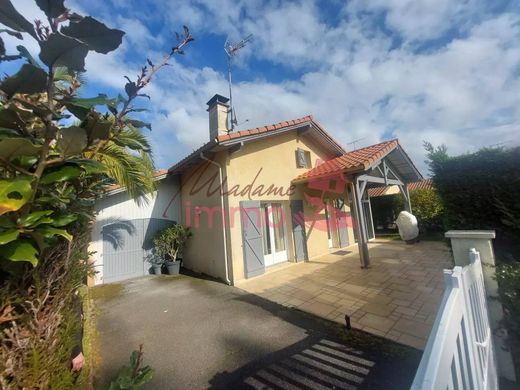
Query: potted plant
point(169, 243)
point(156, 262)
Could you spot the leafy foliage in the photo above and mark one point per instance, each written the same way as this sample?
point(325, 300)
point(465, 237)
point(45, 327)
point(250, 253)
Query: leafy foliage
point(47, 164)
point(134, 376)
point(479, 190)
point(61, 50)
point(52, 8)
point(170, 241)
point(96, 35)
point(30, 79)
point(426, 206)
point(508, 277)
point(14, 193)
point(39, 318)
point(58, 153)
point(12, 19)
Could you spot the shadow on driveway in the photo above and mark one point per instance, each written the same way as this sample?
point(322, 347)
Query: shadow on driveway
point(203, 334)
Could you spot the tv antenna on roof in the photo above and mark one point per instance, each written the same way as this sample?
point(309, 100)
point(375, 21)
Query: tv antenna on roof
point(231, 49)
point(355, 142)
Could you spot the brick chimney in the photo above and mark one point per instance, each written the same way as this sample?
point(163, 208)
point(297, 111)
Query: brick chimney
point(218, 108)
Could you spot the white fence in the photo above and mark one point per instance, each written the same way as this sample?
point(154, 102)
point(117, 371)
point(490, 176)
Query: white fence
point(459, 353)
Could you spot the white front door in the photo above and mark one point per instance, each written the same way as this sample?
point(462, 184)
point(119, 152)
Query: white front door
point(274, 237)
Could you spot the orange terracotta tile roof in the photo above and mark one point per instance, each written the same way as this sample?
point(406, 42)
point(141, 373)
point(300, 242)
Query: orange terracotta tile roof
point(416, 185)
point(237, 135)
point(195, 154)
point(308, 119)
point(374, 192)
point(357, 160)
point(117, 186)
point(266, 129)
point(426, 184)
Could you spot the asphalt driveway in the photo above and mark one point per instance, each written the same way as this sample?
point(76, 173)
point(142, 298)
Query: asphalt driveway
point(203, 334)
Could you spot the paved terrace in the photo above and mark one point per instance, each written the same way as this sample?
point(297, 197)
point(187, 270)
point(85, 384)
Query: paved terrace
point(396, 298)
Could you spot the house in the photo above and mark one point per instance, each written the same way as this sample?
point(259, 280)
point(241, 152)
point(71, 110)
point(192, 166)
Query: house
point(256, 198)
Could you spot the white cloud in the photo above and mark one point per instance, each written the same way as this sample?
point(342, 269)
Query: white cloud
point(425, 19)
point(350, 75)
point(463, 94)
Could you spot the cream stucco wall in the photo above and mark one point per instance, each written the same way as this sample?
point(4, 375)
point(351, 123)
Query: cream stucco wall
point(272, 162)
point(201, 211)
point(260, 170)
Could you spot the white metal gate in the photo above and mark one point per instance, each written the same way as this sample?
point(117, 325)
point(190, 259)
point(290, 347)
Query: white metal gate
point(459, 353)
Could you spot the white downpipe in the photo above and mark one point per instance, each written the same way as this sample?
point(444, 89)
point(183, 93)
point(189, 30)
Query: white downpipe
point(223, 213)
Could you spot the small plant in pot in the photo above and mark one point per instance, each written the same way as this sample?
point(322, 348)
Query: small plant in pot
point(156, 262)
point(169, 243)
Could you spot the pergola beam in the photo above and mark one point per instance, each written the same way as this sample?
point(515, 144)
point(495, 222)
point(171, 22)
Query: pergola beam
point(380, 180)
point(385, 169)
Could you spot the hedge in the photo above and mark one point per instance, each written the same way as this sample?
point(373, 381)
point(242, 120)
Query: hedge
point(481, 191)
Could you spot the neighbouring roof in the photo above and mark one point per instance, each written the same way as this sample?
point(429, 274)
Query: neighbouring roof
point(356, 161)
point(381, 191)
point(223, 141)
point(426, 184)
point(158, 175)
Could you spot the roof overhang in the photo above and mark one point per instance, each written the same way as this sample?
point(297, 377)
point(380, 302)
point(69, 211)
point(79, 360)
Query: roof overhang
point(193, 159)
point(308, 128)
point(118, 189)
point(395, 157)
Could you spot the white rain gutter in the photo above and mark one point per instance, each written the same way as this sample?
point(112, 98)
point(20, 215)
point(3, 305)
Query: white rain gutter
point(223, 213)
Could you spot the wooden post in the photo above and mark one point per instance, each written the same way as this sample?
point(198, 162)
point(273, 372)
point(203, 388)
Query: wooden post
point(364, 257)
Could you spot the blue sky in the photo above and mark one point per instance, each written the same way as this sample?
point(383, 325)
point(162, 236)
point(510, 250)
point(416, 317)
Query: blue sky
point(445, 71)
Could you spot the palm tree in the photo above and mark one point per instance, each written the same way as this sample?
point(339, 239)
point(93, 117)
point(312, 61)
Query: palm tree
point(127, 156)
point(129, 162)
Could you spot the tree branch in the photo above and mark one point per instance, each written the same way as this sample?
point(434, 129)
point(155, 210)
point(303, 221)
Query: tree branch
point(140, 84)
point(15, 167)
point(49, 134)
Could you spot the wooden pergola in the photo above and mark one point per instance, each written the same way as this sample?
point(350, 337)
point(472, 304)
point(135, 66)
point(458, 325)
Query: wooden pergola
point(377, 165)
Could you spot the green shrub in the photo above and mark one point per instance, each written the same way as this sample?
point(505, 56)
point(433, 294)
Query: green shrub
point(169, 242)
point(58, 152)
point(508, 278)
point(134, 376)
point(426, 206)
point(39, 319)
point(480, 190)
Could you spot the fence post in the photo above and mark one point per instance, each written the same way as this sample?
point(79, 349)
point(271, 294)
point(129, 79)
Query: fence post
point(461, 243)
